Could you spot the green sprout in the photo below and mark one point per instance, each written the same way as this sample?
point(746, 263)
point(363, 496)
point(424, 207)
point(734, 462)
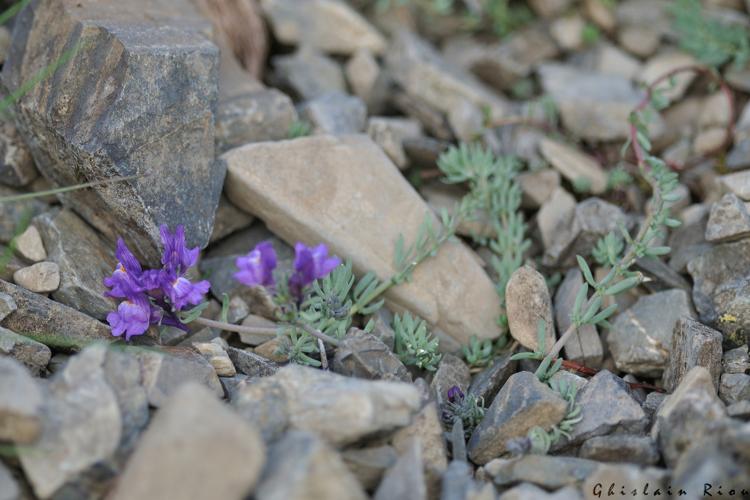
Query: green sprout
point(414, 345)
point(478, 353)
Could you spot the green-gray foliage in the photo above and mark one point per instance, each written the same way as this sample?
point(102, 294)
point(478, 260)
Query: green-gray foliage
point(469, 410)
point(478, 353)
point(299, 128)
point(711, 41)
point(414, 345)
point(541, 440)
point(494, 194)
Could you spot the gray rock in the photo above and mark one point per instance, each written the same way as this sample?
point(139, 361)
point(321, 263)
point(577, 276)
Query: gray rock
point(339, 409)
point(661, 64)
point(730, 302)
point(122, 371)
point(21, 401)
point(635, 449)
point(251, 364)
point(452, 371)
point(652, 403)
point(7, 305)
point(255, 339)
point(737, 183)
point(547, 471)
point(426, 430)
point(527, 302)
point(550, 8)
point(523, 403)
point(740, 409)
point(262, 115)
point(631, 478)
point(266, 179)
point(329, 25)
point(739, 156)
point(585, 347)
point(369, 464)
point(538, 186)
point(718, 265)
point(17, 167)
point(606, 407)
point(641, 337)
point(556, 222)
point(687, 241)
point(729, 220)
point(594, 106)
point(215, 353)
point(367, 80)
point(693, 344)
point(595, 218)
point(297, 463)
point(229, 219)
point(719, 459)
point(13, 214)
point(420, 70)
point(660, 275)
point(504, 63)
point(527, 491)
point(84, 261)
point(336, 113)
point(165, 369)
point(459, 484)
point(40, 278)
point(82, 425)
point(390, 134)
point(170, 459)
point(574, 165)
point(363, 355)
point(154, 114)
point(734, 387)
point(9, 489)
point(487, 383)
point(736, 360)
point(49, 321)
point(405, 479)
point(31, 353)
point(29, 245)
point(687, 415)
point(610, 59)
point(309, 73)
point(231, 385)
point(382, 329)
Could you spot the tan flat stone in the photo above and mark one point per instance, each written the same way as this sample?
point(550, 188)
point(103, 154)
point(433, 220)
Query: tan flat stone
point(345, 192)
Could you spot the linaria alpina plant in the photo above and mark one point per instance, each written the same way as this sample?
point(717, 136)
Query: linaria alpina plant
point(153, 296)
point(466, 408)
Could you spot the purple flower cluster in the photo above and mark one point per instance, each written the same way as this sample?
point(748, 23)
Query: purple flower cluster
point(310, 263)
point(153, 296)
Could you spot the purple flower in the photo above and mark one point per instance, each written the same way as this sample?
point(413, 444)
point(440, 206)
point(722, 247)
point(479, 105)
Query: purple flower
point(153, 296)
point(176, 257)
point(132, 317)
point(310, 264)
point(256, 268)
point(455, 394)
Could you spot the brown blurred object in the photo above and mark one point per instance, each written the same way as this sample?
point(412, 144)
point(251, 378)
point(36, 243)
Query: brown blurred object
point(241, 25)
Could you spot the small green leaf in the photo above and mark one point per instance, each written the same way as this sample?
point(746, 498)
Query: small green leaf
point(586, 271)
point(623, 285)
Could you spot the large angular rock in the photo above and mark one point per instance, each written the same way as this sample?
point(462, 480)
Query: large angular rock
point(31, 353)
point(574, 165)
point(687, 415)
point(693, 344)
point(729, 220)
point(423, 73)
point(585, 346)
point(641, 337)
point(82, 425)
point(20, 403)
point(84, 261)
point(523, 403)
point(296, 466)
point(606, 406)
point(49, 321)
point(289, 184)
point(328, 25)
point(528, 303)
point(194, 448)
point(548, 471)
point(405, 479)
point(143, 105)
point(339, 409)
point(592, 105)
point(363, 355)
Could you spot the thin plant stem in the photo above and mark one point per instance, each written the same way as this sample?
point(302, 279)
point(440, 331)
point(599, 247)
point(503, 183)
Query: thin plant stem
point(262, 330)
point(39, 194)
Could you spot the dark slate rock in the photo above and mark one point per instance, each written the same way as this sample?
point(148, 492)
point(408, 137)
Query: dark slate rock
point(621, 448)
point(547, 471)
point(251, 364)
point(488, 382)
point(405, 480)
point(13, 215)
point(452, 371)
point(144, 105)
point(369, 464)
point(523, 403)
point(84, 261)
point(606, 406)
point(693, 344)
point(363, 355)
point(51, 322)
point(28, 351)
point(17, 167)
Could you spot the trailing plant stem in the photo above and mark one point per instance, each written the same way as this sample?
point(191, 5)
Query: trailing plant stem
point(261, 330)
